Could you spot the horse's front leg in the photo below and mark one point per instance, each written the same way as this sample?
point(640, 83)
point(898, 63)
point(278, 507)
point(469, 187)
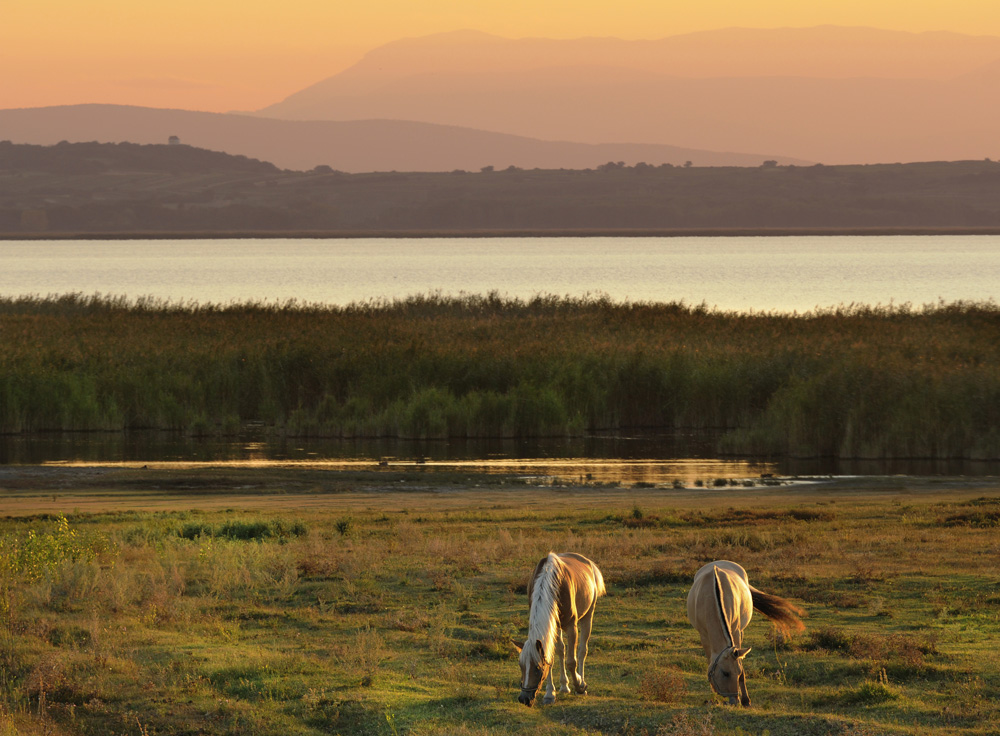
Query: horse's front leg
point(571, 639)
point(586, 625)
point(550, 690)
point(565, 645)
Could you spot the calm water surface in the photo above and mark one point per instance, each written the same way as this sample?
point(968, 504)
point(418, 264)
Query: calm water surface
point(739, 273)
point(649, 457)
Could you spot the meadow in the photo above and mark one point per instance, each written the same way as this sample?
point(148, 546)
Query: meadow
point(243, 602)
point(855, 381)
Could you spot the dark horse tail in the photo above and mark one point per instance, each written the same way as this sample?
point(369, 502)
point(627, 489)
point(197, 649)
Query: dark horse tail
point(785, 614)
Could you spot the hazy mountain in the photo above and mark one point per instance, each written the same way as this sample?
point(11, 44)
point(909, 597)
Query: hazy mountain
point(352, 146)
point(829, 94)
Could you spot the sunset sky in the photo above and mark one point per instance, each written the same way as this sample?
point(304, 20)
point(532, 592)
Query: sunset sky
point(221, 55)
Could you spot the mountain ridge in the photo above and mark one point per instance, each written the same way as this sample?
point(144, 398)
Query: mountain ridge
point(833, 94)
point(352, 146)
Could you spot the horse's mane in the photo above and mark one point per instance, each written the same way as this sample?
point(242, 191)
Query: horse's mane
point(721, 606)
point(543, 614)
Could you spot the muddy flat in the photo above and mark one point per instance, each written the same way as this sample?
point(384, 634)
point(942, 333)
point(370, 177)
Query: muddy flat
point(26, 490)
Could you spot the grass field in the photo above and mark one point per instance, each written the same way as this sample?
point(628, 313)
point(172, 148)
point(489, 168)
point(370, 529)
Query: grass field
point(245, 601)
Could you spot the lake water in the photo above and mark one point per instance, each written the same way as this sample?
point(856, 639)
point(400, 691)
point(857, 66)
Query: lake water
point(733, 273)
point(797, 273)
point(650, 457)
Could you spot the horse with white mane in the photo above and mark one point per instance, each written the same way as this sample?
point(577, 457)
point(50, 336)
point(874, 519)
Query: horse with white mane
point(562, 593)
point(720, 605)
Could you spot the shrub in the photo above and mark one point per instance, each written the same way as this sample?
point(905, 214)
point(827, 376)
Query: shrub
point(663, 685)
point(245, 530)
point(33, 556)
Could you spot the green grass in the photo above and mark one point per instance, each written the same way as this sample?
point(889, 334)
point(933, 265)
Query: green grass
point(851, 382)
point(393, 614)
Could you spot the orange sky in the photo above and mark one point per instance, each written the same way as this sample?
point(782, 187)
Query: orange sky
point(221, 55)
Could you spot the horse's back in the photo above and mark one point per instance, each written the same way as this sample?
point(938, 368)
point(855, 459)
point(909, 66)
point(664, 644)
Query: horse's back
point(582, 568)
point(704, 579)
point(728, 566)
point(701, 597)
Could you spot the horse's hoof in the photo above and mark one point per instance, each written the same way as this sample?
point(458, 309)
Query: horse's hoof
point(581, 690)
point(548, 700)
point(565, 689)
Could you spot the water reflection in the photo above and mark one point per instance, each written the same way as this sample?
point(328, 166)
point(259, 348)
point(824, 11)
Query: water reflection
point(655, 458)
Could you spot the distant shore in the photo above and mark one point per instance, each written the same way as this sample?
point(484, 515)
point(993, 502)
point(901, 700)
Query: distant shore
point(516, 233)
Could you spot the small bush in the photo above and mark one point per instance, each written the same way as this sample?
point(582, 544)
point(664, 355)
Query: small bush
point(34, 556)
point(663, 685)
point(869, 693)
point(245, 530)
point(834, 640)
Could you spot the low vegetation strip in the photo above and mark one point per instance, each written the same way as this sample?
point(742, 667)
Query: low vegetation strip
point(394, 615)
point(854, 381)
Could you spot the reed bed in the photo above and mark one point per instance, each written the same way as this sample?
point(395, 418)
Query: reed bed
point(854, 381)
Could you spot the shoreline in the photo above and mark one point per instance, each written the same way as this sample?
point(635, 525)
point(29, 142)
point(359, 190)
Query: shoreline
point(721, 232)
point(41, 489)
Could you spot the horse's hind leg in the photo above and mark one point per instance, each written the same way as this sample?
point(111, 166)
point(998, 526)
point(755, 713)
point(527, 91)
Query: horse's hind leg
point(586, 625)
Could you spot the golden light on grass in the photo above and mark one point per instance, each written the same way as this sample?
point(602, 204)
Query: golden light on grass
point(224, 620)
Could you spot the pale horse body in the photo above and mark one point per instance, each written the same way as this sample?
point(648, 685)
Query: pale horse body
point(720, 605)
point(562, 593)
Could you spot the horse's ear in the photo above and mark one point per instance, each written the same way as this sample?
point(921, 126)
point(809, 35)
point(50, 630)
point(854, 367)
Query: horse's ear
point(741, 653)
point(540, 648)
point(517, 646)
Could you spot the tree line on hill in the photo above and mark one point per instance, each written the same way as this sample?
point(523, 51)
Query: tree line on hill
point(92, 188)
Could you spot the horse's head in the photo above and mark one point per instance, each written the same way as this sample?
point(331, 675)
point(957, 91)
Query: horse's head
point(727, 678)
point(534, 670)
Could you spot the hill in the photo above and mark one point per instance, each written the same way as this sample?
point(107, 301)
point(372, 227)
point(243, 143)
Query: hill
point(97, 158)
point(828, 94)
point(352, 146)
point(107, 189)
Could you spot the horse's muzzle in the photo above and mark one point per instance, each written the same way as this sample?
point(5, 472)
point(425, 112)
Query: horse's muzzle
point(527, 697)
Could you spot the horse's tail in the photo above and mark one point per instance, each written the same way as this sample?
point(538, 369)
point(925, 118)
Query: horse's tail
point(785, 614)
point(598, 581)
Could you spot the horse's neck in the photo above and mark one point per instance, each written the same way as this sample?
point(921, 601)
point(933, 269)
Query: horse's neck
point(543, 617)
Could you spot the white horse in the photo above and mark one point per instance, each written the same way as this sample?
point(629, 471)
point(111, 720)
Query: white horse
point(561, 595)
point(719, 606)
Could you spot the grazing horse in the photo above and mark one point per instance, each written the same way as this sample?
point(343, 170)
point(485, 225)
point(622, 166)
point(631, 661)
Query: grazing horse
point(720, 605)
point(561, 596)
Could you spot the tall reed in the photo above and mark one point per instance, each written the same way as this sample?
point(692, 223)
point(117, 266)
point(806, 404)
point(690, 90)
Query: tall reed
point(851, 381)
